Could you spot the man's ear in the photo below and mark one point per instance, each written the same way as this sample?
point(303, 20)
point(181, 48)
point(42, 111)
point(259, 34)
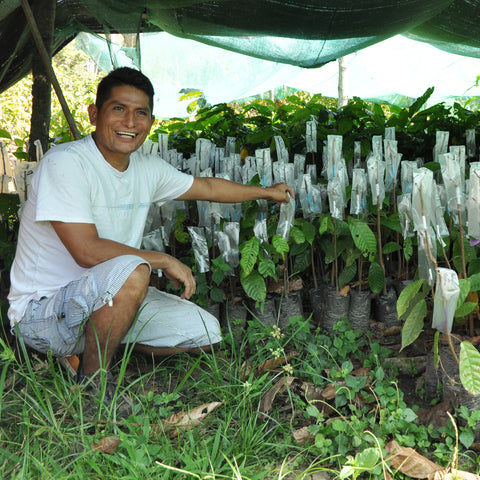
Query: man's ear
point(92, 113)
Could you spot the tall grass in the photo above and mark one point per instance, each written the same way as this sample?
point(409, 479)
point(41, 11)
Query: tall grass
point(46, 433)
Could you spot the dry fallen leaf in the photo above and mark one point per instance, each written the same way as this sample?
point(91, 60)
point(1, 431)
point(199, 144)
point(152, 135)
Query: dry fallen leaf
point(268, 398)
point(302, 436)
point(436, 416)
point(185, 420)
point(409, 462)
point(107, 445)
point(451, 473)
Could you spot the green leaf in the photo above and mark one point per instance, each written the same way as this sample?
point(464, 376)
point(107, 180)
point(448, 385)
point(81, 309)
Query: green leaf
point(249, 251)
point(266, 268)
point(363, 236)
point(302, 261)
point(407, 248)
point(391, 247)
point(470, 368)
point(280, 245)
point(326, 225)
point(347, 275)
point(465, 309)
point(254, 286)
point(4, 134)
point(376, 278)
point(406, 296)
point(216, 294)
point(475, 282)
point(297, 235)
point(464, 284)
point(309, 231)
point(414, 323)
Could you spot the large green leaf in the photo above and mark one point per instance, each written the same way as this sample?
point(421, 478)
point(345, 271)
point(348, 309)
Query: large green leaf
point(297, 235)
point(280, 245)
point(391, 247)
point(266, 268)
point(465, 309)
point(249, 256)
point(470, 368)
point(302, 261)
point(254, 286)
point(406, 296)
point(414, 323)
point(309, 231)
point(347, 275)
point(464, 284)
point(4, 134)
point(376, 278)
point(363, 236)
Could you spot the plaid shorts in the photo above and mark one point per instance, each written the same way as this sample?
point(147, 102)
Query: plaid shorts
point(57, 323)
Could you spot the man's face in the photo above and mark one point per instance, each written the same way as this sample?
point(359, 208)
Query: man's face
point(122, 124)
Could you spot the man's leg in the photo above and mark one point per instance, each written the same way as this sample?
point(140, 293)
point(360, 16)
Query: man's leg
point(109, 324)
point(167, 324)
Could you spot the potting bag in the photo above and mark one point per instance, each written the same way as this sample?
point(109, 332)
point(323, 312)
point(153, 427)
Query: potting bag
point(447, 292)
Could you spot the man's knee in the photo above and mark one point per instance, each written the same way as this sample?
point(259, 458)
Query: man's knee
point(136, 285)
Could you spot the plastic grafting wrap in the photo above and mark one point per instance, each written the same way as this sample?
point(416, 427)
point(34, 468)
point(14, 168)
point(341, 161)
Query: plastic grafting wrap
point(422, 199)
point(357, 154)
point(305, 190)
point(376, 176)
point(249, 169)
point(228, 244)
point(218, 159)
point(334, 154)
point(447, 292)
point(148, 147)
point(471, 143)
point(168, 216)
point(203, 149)
point(285, 219)
point(260, 229)
point(311, 136)
point(200, 248)
point(312, 171)
point(359, 191)
point(335, 198)
point(283, 172)
point(282, 152)
point(264, 166)
point(389, 133)
point(460, 153)
point(453, 185)
point(299, 165)
point(404, 206)
point(473, 204)
point(441, 229)
point(441, 144)
point(154, 241)
point(377, 146)
point(193, 165)
point(174, 158)
point(407, 167)
point(392, 159)
point(163, 145)
point(230, 146)
point(427, 254)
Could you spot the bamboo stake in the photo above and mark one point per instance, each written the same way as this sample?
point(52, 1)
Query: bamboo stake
point(45, 56)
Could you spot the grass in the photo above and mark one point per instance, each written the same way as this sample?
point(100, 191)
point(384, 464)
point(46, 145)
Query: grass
point(270, 386)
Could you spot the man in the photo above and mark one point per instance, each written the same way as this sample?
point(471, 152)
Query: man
point(79, 281)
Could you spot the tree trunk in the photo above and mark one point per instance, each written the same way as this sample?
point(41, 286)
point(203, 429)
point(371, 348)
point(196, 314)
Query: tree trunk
point(44, 12)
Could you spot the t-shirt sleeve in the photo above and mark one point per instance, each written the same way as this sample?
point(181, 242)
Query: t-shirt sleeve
point(171, 183)
point(62, 190)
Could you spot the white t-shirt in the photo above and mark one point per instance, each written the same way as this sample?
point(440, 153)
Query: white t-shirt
point(74, 183)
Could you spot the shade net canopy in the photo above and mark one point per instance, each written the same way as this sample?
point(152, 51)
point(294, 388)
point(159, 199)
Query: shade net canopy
point(302, 33)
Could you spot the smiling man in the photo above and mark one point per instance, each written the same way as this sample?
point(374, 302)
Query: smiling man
point(79, 281)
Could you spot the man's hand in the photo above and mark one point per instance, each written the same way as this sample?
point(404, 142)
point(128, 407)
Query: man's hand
point(280, 193)
point(179, 273)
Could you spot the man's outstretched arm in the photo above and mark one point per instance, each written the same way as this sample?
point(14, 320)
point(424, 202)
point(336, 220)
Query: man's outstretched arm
point(223, 191)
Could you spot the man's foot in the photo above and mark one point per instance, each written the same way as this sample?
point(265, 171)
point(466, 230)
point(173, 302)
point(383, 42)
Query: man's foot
point(101, 386)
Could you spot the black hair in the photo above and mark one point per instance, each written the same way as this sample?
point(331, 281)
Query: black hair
point(123, 76)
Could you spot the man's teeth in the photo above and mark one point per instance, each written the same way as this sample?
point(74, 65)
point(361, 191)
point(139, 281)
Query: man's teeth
point(126, 134)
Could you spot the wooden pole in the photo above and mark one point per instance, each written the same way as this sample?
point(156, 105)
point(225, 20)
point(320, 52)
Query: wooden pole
point(46, 58)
